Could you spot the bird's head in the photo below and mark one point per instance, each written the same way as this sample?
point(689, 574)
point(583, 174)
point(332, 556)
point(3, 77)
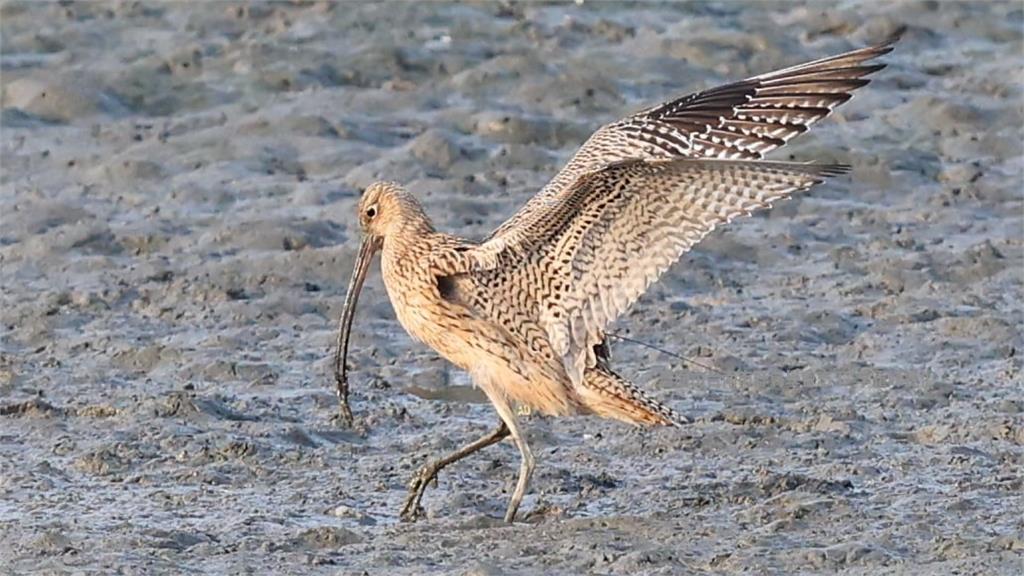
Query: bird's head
point(385, 211)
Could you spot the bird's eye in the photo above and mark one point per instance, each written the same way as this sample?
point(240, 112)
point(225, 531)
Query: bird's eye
point(371, 211)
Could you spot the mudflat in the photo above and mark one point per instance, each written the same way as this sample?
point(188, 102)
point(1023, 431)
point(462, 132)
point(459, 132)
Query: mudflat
point(177, 229)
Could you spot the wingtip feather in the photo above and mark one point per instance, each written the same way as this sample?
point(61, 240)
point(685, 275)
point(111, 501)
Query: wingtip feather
point(835, 169)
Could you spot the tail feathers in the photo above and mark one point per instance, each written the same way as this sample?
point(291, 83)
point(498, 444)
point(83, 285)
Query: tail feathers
point(609, 395)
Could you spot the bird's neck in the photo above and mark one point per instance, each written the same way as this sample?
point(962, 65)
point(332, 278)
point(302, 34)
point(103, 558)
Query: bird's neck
point(414, 230)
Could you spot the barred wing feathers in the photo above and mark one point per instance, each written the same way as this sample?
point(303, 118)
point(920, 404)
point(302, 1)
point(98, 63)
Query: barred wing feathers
point(601, 244)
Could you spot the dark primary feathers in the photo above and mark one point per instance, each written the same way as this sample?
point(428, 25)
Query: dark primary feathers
point(749, 118)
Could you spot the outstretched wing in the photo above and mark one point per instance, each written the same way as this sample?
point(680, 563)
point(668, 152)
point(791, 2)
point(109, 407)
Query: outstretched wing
point(742, 120)
point(599, 246)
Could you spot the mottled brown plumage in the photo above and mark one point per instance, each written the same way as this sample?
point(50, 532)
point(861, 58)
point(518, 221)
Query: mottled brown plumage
point(525, 312)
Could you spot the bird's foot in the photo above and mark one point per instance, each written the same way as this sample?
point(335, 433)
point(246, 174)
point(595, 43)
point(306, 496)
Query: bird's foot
point(412, 510)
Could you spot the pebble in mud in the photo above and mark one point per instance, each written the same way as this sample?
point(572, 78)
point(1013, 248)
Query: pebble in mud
point(176, 233)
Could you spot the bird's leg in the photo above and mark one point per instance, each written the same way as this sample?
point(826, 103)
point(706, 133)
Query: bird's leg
point(526, 466)
point(525, 472)
point(418, 484)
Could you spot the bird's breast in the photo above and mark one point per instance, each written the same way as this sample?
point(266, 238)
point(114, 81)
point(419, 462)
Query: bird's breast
point(425, 306)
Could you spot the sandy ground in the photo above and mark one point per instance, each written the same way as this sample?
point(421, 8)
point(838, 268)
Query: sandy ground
point(177, 234)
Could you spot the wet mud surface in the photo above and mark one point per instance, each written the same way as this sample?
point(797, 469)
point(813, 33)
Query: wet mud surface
point(177, 232)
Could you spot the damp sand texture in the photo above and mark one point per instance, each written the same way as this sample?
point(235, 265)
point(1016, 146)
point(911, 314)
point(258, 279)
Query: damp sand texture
point(176, 233)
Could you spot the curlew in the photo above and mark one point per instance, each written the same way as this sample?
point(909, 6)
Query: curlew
point(525, 311)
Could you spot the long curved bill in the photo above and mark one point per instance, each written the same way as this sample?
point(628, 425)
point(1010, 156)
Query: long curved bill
point(366, 251)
